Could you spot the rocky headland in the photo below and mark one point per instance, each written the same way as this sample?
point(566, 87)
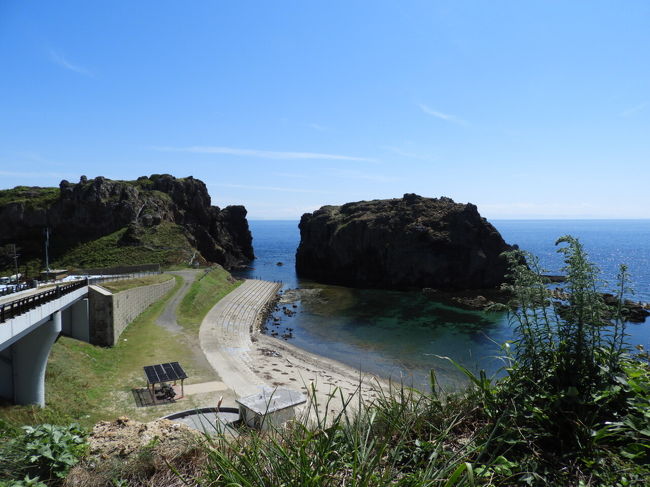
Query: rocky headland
point(402, 243)
point(164, 217)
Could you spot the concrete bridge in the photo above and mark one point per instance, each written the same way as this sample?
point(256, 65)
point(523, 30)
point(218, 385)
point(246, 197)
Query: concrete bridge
point(30, 322)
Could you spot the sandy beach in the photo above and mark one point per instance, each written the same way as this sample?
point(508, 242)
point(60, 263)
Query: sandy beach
point(247, 360)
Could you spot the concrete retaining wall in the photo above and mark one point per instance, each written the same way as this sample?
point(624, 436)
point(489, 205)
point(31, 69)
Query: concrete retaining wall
point(111, 313)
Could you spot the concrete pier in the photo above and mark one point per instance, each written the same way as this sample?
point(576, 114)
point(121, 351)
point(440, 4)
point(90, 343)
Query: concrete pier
point(75, 321)
point(29, 357)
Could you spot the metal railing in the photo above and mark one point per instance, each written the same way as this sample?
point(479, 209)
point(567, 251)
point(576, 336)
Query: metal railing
point(28, 303)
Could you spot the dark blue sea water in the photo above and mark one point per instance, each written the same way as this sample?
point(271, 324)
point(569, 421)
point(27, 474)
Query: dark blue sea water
point(401, 335)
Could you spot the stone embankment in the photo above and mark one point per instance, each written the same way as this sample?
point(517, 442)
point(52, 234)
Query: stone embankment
point(111, 313)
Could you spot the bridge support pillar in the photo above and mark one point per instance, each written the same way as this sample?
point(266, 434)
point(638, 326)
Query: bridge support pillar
point(6, 375)
point(29, 357)
point(80, 321)
point(75, 321)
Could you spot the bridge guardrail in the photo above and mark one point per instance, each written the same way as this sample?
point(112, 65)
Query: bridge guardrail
point(23, 305)
point(15, 288)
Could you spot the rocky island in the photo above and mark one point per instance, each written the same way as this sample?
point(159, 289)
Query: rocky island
point(97, 222)
point(402, 243)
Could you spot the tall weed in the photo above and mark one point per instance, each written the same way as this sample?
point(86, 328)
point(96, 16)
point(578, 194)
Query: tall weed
point(568, 383)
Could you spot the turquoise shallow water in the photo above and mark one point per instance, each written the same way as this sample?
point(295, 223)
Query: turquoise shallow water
point(401, 334)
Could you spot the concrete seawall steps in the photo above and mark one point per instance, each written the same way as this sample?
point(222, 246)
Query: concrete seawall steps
point(225, 334)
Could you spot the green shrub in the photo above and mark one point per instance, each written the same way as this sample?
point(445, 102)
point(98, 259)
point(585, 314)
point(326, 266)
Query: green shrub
point(574, 404)
point(45, 451)
point(25, 482)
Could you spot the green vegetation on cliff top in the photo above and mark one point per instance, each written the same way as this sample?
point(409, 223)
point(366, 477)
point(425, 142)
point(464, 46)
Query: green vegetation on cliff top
point(34, 197)
point(163, 244)
point(42, 197)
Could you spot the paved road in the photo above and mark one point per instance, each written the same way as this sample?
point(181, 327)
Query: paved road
point(23, 294)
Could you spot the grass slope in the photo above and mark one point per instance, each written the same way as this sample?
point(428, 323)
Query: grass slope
point(204, 293)
point(118, 286)
point(163, 244)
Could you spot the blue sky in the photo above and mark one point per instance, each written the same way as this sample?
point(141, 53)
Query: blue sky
point(527, 109)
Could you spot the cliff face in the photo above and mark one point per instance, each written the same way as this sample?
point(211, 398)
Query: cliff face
point(401, 243)
point(91, 209)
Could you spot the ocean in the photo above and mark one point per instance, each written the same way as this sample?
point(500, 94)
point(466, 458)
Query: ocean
point(403, 335)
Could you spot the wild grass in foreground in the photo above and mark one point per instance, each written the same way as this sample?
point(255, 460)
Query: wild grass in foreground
point(404, 438)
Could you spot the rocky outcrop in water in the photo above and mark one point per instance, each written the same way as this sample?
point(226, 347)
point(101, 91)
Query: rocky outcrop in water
point(410, 242)
point(94, 208)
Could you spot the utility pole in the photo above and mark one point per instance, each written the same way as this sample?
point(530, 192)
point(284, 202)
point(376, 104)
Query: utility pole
point(15, 256)
point(47, 251)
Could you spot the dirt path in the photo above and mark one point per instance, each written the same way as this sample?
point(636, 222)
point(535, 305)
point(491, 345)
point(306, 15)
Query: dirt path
point(202, 393)
point(167, 318)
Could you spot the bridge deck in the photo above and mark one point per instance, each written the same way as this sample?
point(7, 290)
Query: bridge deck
point(22, 294)
point(25, 303)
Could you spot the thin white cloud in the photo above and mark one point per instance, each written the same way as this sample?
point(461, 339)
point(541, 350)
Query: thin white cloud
point(263, 154)
point(59, 59)
point(269, 188)
point(403, 153)
point(633, 110)
point(320, 128)
point(442, 116)
point(366, 176)
point(290, 175)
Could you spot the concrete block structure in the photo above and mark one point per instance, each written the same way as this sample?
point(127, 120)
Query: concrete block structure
point(270, 408)
point(111, 313)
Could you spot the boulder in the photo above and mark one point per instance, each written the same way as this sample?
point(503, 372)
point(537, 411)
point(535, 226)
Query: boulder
point(402, 243)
